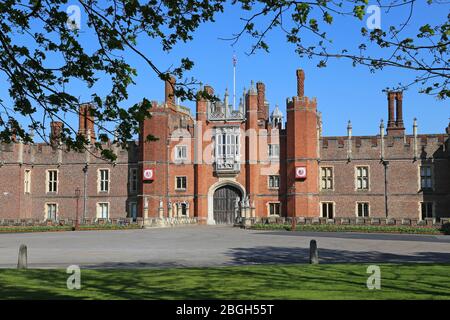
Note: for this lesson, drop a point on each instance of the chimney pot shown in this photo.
(209, 90)
(391, 121)
(399, 101)
(169, 91)
(55, 132)
(86, 121)
(300, 83)
(261, 100)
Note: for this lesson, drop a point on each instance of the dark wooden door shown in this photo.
(224, 204)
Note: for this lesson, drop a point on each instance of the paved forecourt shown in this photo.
(214, 246)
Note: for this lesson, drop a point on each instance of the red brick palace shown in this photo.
(228, 163)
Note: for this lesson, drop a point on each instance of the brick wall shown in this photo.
(39, 158)
(300, 145)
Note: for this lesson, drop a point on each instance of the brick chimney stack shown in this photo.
(399, 119)
(391, 121)
(86, 121)
(395, 125)
(55, 132)
(202, 103)
(170, 91)
(300, 83)
(209, 90)
(261, 100)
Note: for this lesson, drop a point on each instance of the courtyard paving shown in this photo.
(199, 246)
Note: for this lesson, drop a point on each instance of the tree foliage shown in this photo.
(42, 53)
(405, 44)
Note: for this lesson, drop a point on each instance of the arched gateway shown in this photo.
(226, 204)
(222, 198)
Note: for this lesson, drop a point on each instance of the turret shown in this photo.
(276, 118)
(302, 153)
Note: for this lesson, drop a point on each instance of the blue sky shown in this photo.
(343, 92)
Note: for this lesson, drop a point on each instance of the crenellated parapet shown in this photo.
(301, 103)
(395, 147)
(16, 153)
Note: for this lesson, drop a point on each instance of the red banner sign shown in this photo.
(300, 172)
(148, 174)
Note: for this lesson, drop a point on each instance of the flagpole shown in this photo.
(234, 82)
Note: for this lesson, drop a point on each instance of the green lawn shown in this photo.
(332, 281)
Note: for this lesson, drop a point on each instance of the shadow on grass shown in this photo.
(261, 273)
(245, 282)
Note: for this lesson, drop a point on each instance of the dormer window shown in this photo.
(276, 118)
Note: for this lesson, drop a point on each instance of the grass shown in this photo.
(332, 281)
(352, 228)
(20, 229)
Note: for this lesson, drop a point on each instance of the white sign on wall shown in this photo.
(300, 172)
(148, 174)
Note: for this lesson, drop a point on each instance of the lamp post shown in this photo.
(386, 165)
(77, 196)
(85, 170)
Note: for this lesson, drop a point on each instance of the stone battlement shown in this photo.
(301, 102)
(423, 146)
(43, 153)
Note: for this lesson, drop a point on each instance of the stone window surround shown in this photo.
(46, 205)
(177, 157)
(332, 177)
(231, 131)
(47, 180)
(176, 183)
(27, 181)
(419, 177)
(98, 211)
(368, 178)
(268, 203)
(268, 182)
(108, 181)
(321, 208)
(356, 208)
(270, 153)
(433, 208)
